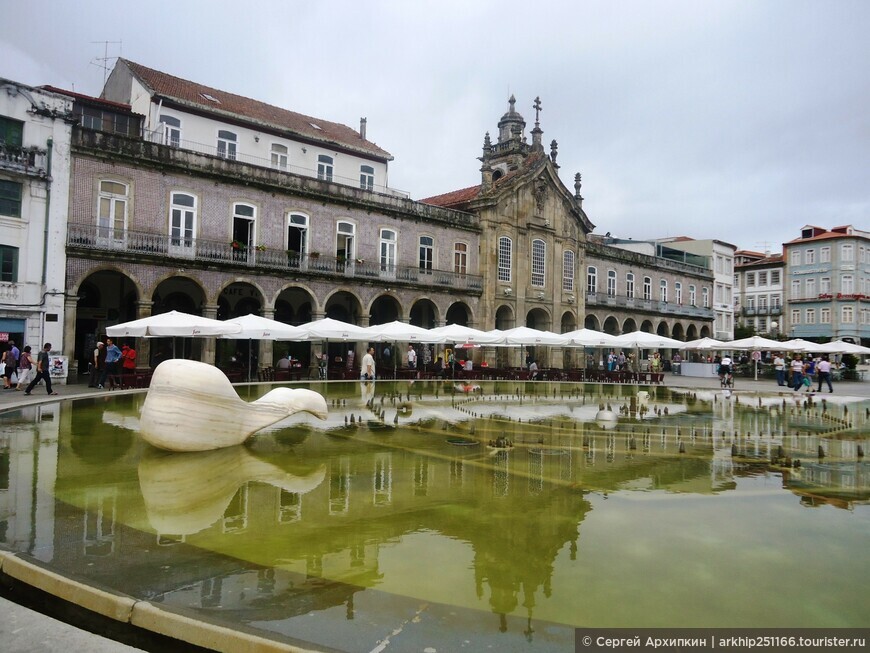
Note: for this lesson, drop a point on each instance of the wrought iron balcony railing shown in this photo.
(650, 305)
(94, 238)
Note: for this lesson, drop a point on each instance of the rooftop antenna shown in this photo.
(766, 245)
(103, 62)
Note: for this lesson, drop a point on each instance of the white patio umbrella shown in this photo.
(255, 327)
(459, 333)
(754, 343)
(329, 329)
(644, 340)
(402, 332)
(589, 338)
(528, 336)
(703, 344)
(173, 324)
(843, 347)
(798, 344)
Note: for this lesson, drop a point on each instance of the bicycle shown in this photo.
(726, 379)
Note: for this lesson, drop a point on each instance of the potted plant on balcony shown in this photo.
(260, 248)
(238, 245)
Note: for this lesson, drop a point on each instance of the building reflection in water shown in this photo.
(270, 530)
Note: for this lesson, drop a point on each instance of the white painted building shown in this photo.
(759, 292)
(194, 117)
(35, 127)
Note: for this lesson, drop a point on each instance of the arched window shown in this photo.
(460, 258)
(678, 292)
(324, 167)
(297, 238)
(647, 288)
(505, 256)
(171, 130)
(629, 285)
(539, 263)
(663, 290)
(693, 298)
(705, 297)
(427, 253)
(388, 252)
(345, 234)
(367, 177)
(280, 156)
(112, 209)
(611, 283)
(182, 222)
(226, 144)
(568, 271)
(591, 280)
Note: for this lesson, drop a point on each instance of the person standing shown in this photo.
(7, 367)
(97, 364)
(823, 369)
(797, 373)
(25, 368)
(128, 363)
(367, 369)
(110, 371)
(12, 362)
(412, 357)
(42, 366)
(779, 368)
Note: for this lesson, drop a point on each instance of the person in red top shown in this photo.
(128, 359)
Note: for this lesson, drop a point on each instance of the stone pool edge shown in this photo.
(137, 613)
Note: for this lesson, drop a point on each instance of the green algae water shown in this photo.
(444, 517)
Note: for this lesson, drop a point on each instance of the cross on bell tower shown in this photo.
(537, 132)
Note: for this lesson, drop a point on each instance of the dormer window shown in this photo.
(806, 233)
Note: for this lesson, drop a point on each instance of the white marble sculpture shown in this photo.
(192, 406)
(185, 493)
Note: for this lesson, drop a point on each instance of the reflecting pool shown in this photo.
(428, 515)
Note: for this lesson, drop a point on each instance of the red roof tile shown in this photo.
(193, 94)
(453, 198)
(86, 98)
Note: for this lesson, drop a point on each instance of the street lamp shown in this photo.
(773, 326)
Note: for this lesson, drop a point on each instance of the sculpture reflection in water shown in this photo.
(185, 493)
(192, 406)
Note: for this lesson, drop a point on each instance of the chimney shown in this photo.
(362, 128)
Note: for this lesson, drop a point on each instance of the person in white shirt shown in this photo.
(779, 367)
(823, 367)
(367, 369)
(412, 357)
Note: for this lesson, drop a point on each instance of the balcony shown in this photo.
(30, 161)
(761, 310)
(160, 248)
(649, 305)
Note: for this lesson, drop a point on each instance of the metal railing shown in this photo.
(651, 305)
(262, 162)
(105, 239)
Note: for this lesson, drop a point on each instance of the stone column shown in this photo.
(70, 315)
(209, 345)
(266, 348)
(143, 345)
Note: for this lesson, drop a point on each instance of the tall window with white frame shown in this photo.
(367, 177)
(297, 239)
(460, 258)
(280, 156)
(705, 297)
(568, 271)
(591, 280)
(182, 224)
(678, 293)
(227, 144)
(388, 253)
(647, 288)
(505, 258)
(112, 212)
(171, 130)
(539, 263)
(427, 254)
(795, 316)
(796, 289)
(324, 167)
(847, 284)
(693, 296)
(663, 291)
(847, 252)
(244, 230)
(847, 314)
(611, 283)
(345, 245)
(629, 285)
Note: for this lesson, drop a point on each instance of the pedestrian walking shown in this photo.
(823, 369)
(42, 367)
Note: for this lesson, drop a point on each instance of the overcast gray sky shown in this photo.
(741, 120)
